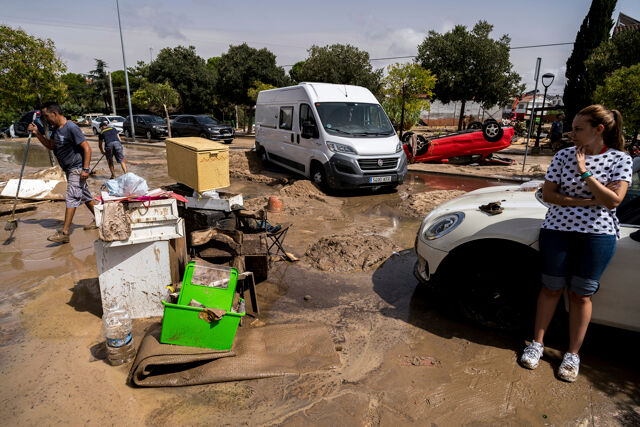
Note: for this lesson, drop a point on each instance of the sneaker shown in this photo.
(59, 237)
(91, 226)
(568, 370)
(531, 355)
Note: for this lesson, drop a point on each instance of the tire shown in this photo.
(95, 132)
(228, 141)
(423, 145)
(406, 137)
(475, 125)
(127, 133)
(203, 135)
(175, 134)
(149, 135)
(262, 153)
(319, 177)
(492, 131)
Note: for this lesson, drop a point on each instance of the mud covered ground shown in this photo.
(405, 358)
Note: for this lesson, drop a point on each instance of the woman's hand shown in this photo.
(581, 159)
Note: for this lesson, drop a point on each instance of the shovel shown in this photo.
(12, 224)
(94, 166)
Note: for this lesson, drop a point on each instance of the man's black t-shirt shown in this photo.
(109, 135)
(67, 140)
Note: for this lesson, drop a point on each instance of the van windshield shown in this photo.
(354, 119)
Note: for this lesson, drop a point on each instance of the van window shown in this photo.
(306, 115)
(286, 118)
(355, 119)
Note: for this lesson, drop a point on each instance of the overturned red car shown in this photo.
(476, 144)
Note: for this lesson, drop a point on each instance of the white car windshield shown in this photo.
(354, 119)
(116, 119)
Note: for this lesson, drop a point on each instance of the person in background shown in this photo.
(74, 156)
(556, 130)
(583, 186)
(112, 147)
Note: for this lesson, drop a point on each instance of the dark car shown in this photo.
(202, 126)
(20, 127)
(146, 125)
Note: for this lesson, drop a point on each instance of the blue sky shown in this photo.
(87, 30)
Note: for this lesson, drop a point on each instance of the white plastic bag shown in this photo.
(127, 185)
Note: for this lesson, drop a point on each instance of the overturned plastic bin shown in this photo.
(213, 287)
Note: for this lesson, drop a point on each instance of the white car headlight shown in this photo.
(399, 147)
(340, 148)
(440, 226)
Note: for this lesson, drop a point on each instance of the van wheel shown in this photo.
(95, 131)
(319, 177)
(149, 135)
(262, 153)
(127, 133)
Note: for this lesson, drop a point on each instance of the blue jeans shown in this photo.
(574, 259)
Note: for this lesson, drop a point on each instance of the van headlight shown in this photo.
(442, 225)
(399, 147)
(340, 148)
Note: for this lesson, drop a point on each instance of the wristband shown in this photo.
(585, 175)
(86, 169)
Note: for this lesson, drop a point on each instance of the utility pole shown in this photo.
(533, 112)
(126, 77)
(113, 101)
(150, 55)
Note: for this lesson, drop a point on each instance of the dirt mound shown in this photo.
(54, 172)
(420, 204)
(302, 189)
(247, 165)
(353, 251)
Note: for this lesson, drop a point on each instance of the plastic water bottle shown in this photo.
(116, 325)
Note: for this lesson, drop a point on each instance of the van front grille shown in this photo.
(378, 164)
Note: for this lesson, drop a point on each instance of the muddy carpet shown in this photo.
(269, 351)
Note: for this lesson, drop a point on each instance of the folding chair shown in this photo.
(277, 239)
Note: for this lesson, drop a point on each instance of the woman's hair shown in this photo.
(610, 119)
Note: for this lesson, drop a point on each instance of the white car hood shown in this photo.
(509, 196)
(368, 146)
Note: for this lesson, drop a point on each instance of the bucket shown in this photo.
(275, 204)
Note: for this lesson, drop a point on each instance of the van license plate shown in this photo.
(378, 179)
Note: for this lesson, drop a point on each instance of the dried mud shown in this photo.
(420, 204)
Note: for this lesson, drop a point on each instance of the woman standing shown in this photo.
(583, 185)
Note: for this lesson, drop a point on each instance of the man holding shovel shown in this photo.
(74, 156)
(112, 147)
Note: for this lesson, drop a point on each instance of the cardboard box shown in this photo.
(199, 163)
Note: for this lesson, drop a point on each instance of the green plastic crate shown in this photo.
(182, 326)
(206, 295)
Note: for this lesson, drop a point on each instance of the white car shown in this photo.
(490, 263)
(115, 121)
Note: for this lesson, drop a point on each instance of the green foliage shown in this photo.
(188, 74)
(99, 82)
(153, 96)
(401, 87)
(240, 67)
(257, 88)
(29, 73)
(593, 31)
(80, 93)
(622, 50)
(294, 72)
(470, 66)
(338, 63)
(621, 91)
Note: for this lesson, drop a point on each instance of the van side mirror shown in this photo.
(309, 130)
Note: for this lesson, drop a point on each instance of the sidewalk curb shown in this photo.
(491, 177)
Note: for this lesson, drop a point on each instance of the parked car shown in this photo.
(337, 135)
(146, 125)
(489, 264)
(115, 121)
(203, 126)
(474, 144)
(20, 127)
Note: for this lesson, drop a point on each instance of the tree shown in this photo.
(257, 88)
(79, 92)
(294, 72)
(593, 31)
(470, 66)
(98, 78)
(621, 91)
(29, 73)
(188, 74)
(621, 50)
(240, 67)
(401, 87)
(338, 63)
(155, 96)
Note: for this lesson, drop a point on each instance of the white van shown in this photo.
(337, 135)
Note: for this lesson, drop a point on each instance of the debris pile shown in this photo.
(247, 165)
(353, 251)
(420, 204)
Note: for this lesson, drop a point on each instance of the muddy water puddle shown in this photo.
(12, 153)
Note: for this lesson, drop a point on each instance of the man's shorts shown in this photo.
(114, 149)
(575, 260)
(77, 189)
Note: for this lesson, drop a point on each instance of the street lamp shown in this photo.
(547, 79)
